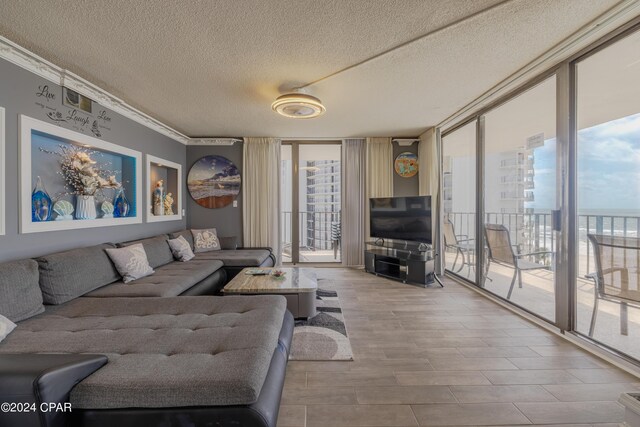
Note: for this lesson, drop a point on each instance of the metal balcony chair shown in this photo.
(459, 243)
(617, 278)
(501, 251)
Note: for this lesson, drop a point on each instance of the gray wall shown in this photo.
(18, 95)
(405, 186)
(227, 220)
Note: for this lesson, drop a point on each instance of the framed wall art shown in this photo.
(406, 164)
(214, 182)
(69, 180)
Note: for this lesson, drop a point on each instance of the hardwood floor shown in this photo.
(446, 357)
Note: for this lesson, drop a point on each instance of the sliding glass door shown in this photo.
(608, 183)
(459, 200)
(541, 196)
(519, 197)
(311, 202)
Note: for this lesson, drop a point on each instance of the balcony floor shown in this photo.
(537, 295)
(317, 256)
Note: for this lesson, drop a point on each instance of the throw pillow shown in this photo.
(205, 240)
(181, 249)
(131, 262)
(6, 326)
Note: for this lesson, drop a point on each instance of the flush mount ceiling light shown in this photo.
(298, 105)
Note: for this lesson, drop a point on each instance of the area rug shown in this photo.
(324, 336)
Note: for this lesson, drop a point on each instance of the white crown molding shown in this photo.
(28, 60)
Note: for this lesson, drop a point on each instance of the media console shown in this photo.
(409, 262)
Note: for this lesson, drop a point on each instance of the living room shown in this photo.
(319, 213)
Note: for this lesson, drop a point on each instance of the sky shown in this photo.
(608, 168)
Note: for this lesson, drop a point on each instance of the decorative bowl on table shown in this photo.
(278, 274)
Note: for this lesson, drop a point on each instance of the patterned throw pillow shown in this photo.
(205, 240)
(6, 326)
(131, 262)
(181, 249)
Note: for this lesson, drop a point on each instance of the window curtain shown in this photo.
(353, 201)
(379, 172)
(429, 184)
(261, 194)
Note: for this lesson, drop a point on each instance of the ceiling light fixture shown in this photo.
(298, 105)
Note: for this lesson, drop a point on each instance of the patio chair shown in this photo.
(460, 243)
(617, 278)
(501, 251)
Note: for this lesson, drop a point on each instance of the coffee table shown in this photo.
(298, 286)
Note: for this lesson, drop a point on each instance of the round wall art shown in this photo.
(214, 182)
(406, 164)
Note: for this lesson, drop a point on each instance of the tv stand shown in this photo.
(408, 262)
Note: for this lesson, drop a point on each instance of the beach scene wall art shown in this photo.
(214, 182)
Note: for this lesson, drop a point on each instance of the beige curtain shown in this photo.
(429, 183)
(353, 201)
(379, 172)
(261, 193)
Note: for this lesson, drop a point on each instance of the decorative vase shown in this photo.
(40, 203)
(121, 205)
(158, 199)
(86, 207)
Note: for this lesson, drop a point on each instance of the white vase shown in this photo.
(86, 207)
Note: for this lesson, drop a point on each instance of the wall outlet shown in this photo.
(235, 203)
(184, 212)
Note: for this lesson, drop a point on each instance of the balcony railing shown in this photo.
(317, 230)
(533, 231)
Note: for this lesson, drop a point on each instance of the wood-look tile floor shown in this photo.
(446, 357)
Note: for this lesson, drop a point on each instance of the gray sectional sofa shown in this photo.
(173, 358)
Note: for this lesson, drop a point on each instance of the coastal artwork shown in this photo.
(406, 164)
(214, 182)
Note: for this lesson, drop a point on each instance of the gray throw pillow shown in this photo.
(20, 295)
(205, 240)
(6, 326)
(181, 249)
(131, 262)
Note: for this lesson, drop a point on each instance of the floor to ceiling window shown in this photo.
(311, 202)
(459, 200)
(519, 195)
(608, 188)
(560, 191)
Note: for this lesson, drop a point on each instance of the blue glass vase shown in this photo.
(121, 205)
(41, 204)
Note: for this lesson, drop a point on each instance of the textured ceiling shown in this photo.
(212, 68)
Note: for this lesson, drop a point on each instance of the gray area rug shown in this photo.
(324, 336)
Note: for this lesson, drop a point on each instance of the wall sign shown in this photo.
(73, 110)
(214, 182)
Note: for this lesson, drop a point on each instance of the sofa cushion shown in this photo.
(70, 274)
(157, 249)
(181, 249)
(205, 240)
(20, 295)
(163, 352)
(168, 281)
(230, 242)
(237, 258)
(131, 261)
(188, 236)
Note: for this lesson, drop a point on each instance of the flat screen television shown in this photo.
(401, 218)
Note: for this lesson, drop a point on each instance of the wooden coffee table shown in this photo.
(298, 286)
